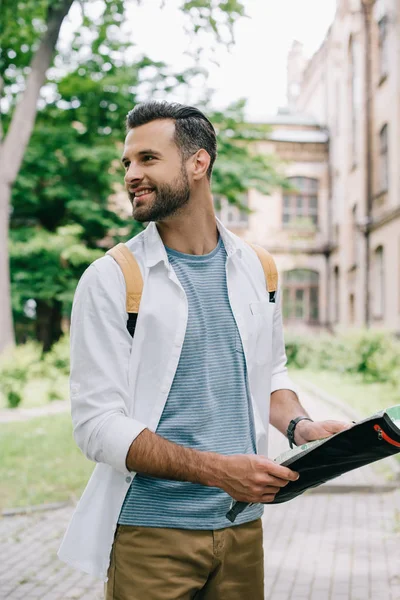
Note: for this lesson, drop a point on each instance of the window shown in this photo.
(379, 283)
(300, 205)
(336, 295)
(384, 159)
(300, 300)
(383, 47)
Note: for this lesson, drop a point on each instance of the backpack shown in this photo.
(134, 281)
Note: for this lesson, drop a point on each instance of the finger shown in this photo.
(332, 427)
(270, 489)
(276, 481)
(281, 472)
(336, 426)
(266, 498)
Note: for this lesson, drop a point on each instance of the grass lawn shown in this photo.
(364, 398)
(40, 462)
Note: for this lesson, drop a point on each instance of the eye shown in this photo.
(126, 165)
(148, 156)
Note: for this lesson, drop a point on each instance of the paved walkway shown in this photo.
(24, 414)
(317, 547)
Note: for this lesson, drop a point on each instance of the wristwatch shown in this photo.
(292, 427)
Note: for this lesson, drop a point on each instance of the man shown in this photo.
(177, 418)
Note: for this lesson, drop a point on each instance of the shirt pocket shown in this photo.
(260, 328)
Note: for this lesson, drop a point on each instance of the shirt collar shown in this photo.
(155, 250)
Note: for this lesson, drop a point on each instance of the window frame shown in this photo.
(299, 203)
(298, 293)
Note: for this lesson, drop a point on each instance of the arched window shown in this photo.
(300, 295)
(301, 202)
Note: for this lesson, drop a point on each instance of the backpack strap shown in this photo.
(270, 270)
(133, 281)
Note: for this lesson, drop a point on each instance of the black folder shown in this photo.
(367, 441)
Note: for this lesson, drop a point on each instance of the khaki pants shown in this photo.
(151, 563)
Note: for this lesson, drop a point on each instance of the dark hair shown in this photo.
(193, 130)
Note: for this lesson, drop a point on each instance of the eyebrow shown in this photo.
(142, 153)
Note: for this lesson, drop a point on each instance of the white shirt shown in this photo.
(119, 385)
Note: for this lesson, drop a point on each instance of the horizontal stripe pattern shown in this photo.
(208, 407)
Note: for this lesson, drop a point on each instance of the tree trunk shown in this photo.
(6, 328)
(48, 323)
(12, 150)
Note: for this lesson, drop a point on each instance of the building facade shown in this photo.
(335, 233)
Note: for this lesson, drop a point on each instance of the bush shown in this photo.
(298, 351)
(26, 363)
(58, 357)
(16, 367)
(375, 355)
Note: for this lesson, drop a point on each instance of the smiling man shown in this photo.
(177, 418)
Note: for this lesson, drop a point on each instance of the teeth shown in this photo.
(142, 192)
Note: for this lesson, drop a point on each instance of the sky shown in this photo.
(255, 68)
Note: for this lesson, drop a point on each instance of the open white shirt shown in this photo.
(119, 385)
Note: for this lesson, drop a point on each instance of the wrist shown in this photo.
(300, 433)
(214, 469)
(295, 426)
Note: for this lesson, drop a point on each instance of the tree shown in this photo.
(62, 219)
(28, 40)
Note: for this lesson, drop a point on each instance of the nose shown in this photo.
(134, 174)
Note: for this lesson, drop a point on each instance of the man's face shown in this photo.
(155, 175)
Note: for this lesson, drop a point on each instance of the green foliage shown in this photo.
(46, 265)
(26, 364)
(21, 25)
(373, 355)
(58, 359)
(16, 368)
(61, 214)
(206, 15)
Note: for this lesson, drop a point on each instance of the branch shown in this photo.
(20, 129)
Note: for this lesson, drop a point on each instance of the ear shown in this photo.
(200, 163)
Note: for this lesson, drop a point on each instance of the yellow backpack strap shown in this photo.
(270, 270)
(132, 275)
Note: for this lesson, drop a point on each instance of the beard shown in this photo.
(169, 199)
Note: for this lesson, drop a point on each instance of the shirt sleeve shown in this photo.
(99, 378)
(280, 377)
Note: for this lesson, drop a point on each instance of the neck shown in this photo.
(191, 231)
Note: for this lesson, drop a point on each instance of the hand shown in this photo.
(308, 431)
(253, 478)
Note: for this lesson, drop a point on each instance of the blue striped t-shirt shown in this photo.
(208, 407)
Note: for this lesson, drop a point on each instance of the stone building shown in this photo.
(336, 233)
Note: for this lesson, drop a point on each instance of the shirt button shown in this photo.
(128, 479)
